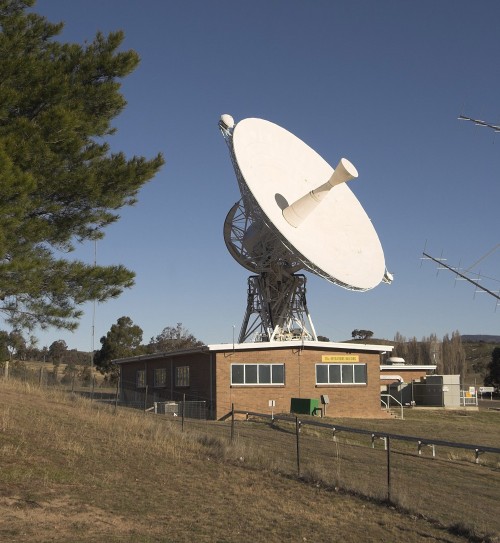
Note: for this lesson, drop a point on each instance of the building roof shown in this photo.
(224, 347)
(408, 367)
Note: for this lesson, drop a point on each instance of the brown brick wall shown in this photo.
(300, 382)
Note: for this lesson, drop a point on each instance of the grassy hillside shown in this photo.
(75, 471)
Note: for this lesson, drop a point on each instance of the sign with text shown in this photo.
(340, 358)
(486, 389)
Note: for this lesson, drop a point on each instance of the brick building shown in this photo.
(250, 375)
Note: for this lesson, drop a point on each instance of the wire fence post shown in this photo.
(232, 422)
(117, 392)
(183, 409)
(297, 431)
(388, 450)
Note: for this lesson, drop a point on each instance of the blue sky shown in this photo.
(379, 82)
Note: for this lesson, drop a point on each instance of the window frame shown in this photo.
(182, 377)
(341, 373)
(140, 379)
(157, 383)
(259, 374)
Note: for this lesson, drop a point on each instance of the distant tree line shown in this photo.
(122, 340)
(448, 354)
(13, 346)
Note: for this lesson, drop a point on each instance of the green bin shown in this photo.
(304, 406)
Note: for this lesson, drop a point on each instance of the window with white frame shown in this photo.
(182, 376)
(160, 377)
(341, 374)
(140, 379)
(257, 374)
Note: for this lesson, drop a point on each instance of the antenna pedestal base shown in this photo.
(277, 309)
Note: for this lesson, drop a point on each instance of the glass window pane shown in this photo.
(335, 373)
(264, 374)
(251, 374)
(160, 377)
(185, 376)
(182, 376)
(347, 373)
(321, 373)
(278, 373)
(237, 374)
(360, 373)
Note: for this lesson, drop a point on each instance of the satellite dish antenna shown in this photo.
(295, 213)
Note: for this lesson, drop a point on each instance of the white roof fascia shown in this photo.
(399, 367)
(392, 378)
(329, 345)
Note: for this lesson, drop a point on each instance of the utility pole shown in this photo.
(93, 333)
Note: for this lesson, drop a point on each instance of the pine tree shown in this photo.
(59, 181)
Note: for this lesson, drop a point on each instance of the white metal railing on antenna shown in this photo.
(387, 403)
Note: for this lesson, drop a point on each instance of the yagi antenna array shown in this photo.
(462, 275)
(295, 213)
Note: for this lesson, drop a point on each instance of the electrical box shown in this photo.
(304, 406)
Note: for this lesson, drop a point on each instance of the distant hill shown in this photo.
(478, 338)
(370, 341)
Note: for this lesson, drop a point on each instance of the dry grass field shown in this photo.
(76, 471)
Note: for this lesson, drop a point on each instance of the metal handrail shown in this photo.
(388, 404)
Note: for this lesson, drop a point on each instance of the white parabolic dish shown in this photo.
(337, 240)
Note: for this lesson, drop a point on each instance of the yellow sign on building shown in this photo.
(340, 358)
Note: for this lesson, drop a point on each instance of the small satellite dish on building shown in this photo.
(295, 213)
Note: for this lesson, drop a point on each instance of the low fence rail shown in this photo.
(419, 441)
(385, 436)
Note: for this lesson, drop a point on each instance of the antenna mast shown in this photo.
(463, 276)
(478, 122)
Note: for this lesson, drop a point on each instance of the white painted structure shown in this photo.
(295, 213)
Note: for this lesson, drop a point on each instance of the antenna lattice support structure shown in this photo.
(277, 309)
